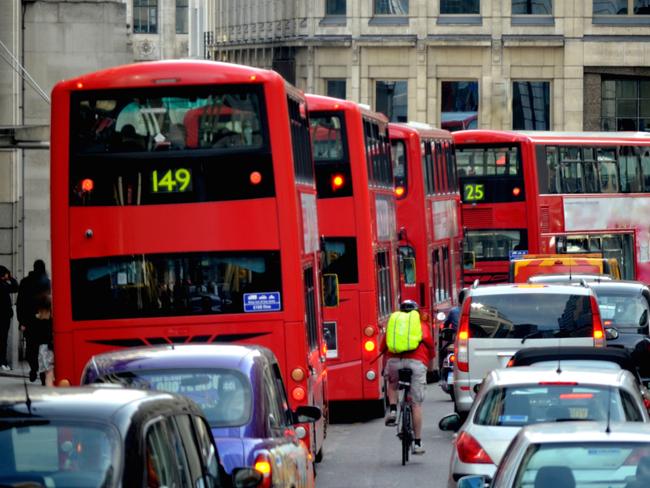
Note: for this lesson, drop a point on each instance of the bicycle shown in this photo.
(405, 417)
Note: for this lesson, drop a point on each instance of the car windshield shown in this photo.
(58, 454)
(224, 395)
(530, 316)
(586, 464)
(623, 310)
(515, 406)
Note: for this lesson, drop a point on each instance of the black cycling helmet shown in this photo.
(408, 305)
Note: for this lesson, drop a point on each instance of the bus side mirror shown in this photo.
(469, 260)
(330, 284)
(409, 271)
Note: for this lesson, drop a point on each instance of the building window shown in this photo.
(531, 105)
(392, 99)
(532, 7)
(336, 88)
(391, 7)
(459, 105)
(621, 7)
(460, 6)
(335, 7)
(145, 16)
(626, 105)
(182, 10)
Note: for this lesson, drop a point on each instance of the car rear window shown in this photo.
(224, 395)
(623, 310)
(530, 316)
(530, 404)
(606, 464)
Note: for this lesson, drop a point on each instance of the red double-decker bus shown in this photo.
(356, 215)
(545, 192)
(428, 216)
(184, 211)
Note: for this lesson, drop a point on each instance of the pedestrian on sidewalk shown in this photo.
(33, 288)
(42, 335)
(8, 285)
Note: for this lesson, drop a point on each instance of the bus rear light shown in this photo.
(369, 331)
(263, 466)
(470, 451)
(256, 177)
(298, 374)
(462, 340)
(324, 348)
(253, 77)
(64, 382)
(369, 345)
(516, 191)
(87, 185)
(80, 85)
(399, 191)
(337, 182)
(298, 393)
(599, 331)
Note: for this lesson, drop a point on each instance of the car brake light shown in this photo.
(510, 363)
(646, 402)
(557, 383)
(263, 466)
(576, 396)
(452, 358)
(599, 332)
(462, 339)
(470, 451)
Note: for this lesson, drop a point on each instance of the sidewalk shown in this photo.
(21, 370)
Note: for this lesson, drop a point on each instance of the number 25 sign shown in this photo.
(474, 192)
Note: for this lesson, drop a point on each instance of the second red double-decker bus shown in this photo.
(428, 215)
(544, 192)
(356, 213)
(184, 211)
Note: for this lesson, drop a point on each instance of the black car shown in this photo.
(107, 437)
(625, 313)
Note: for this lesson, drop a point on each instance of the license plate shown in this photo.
(450, 378)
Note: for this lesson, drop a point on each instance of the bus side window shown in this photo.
(608, 171)
(645, 168)
(630, 172)
(589, 168)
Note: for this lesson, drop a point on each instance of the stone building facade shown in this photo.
(502, 64)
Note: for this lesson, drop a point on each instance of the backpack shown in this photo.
(404, 332)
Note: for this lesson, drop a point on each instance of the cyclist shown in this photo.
(416, 360)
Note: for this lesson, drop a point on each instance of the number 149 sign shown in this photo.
(171, 181)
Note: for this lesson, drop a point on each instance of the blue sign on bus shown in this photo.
(518, 254)
(262, 302)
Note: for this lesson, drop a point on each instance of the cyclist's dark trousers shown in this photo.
(5, 323)
(31, 353)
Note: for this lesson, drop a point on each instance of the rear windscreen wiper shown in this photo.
(531, 335)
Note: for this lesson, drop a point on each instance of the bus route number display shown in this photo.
(177, 180)
(474, 192)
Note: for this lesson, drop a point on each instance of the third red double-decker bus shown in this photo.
(184, 211)
(545, 192)
(428, 215)
(356, 214)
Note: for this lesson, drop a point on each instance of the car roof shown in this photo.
(181, 356)
(524, 375)
(532, 355)
(526, 289)
(631, 287)
(582, 432)
(566, 277)
(85, 403)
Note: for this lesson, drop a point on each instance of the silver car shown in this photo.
(574, 454)
(497, 321)
(512, 398)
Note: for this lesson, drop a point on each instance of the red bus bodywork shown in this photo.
(365, 217)
(579, 192)
(284, 223)
(428, 218)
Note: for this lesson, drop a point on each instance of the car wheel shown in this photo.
(318, 458)
(451, 394)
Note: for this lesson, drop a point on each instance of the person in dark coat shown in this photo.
(33, 288)
(8, 285)
(42, 335)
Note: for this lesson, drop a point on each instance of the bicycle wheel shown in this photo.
(406, 433)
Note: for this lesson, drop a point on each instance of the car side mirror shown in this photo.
(643, 320)
(472, 482)
(447, 335)
(330, 285)
(611, 333)
(307, 414)
(246, 478)
(450, 423)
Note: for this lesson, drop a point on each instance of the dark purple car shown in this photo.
(239, 389)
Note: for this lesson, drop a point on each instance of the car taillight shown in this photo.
(462, 338)
(470, 451)
(646, 402)
(599, 332)
(452, 358)
(263, 466)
